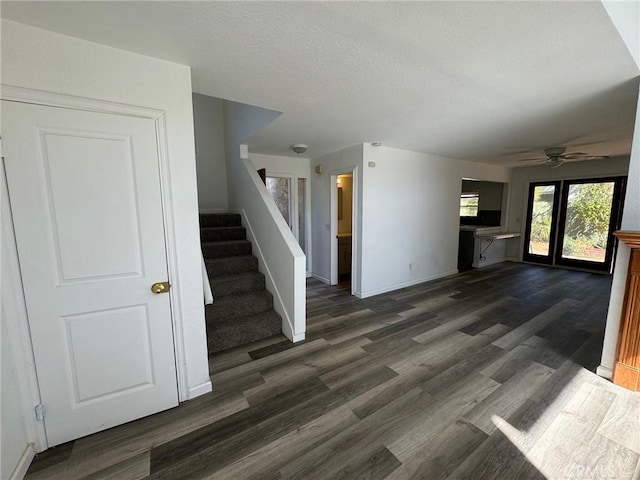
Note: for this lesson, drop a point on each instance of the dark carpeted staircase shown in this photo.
(242, 311)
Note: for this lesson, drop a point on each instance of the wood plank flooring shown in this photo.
(481, 375)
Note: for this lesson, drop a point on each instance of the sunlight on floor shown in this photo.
(571, 439)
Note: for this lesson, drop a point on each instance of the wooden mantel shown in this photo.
(630, 239)
(627, 367)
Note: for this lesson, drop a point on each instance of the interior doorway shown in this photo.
(344, 185)
(570, 222)
(343, 231)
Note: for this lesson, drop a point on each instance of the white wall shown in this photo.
(13, 441)
(321, 187)
(296, 167)
(18, 439)
(38, 59)
(408, 208)
(280, 257)
(626, 18)
(630, 221)
(208, 123)
(625, 15)
(411, 215)
(521, 177)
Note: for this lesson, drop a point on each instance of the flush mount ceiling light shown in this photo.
(299, 148)
(376, 144)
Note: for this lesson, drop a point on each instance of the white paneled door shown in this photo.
(86, 201)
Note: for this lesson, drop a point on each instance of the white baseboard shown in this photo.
(410, 283)
(23, 464)
(322, 279)
(198, 390)
(288, 332)
(604, 372)
(298, 337)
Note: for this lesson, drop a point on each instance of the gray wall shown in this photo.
(210, 153)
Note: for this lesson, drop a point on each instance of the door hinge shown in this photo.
(39, 409)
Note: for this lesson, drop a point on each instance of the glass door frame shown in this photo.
(614, 222)
(531, 257)
(558, 224)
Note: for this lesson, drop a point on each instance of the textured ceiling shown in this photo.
(482, 81)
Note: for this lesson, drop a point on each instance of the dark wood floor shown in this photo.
(486, 374)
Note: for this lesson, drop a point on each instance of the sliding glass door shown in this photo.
(570, 222)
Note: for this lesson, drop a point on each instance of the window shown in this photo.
(280, 190)
(469, 204)
(290, 195)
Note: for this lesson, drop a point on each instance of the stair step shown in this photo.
(239, 305)
(226, 248)
(225, 334)
(220, 220)
(240, 283)
(243, 309)
(217, 267)
(215, 234)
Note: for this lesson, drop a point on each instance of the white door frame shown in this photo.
(14, 311)
(307, 224)
(37, 97)
(355, 272)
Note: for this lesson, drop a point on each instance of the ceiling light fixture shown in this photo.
(299, 148)
(376, 144)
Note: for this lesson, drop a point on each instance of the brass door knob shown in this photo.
(160, 287)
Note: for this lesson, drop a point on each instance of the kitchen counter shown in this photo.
(489, 244)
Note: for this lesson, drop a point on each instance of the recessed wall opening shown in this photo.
(482, 208)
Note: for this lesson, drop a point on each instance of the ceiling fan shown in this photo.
(556, 156)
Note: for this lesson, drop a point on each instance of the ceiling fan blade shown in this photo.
(554, 164)
(538, 159)
(573, 156)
